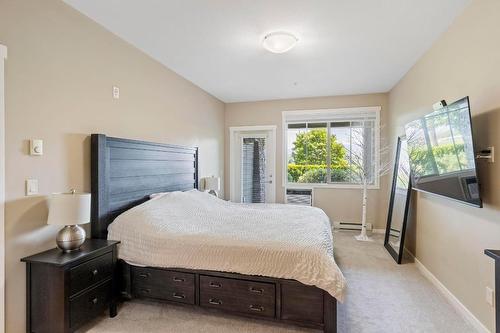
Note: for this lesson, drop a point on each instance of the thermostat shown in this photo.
(36, 147)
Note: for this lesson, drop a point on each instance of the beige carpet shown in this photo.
(382, 297)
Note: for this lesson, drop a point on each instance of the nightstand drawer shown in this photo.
(89, 304)
(91, 272)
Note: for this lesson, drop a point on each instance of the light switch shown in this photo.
(36, 147)
(31, 186)
(490, 296)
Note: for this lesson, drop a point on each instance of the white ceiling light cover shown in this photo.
(279, 42)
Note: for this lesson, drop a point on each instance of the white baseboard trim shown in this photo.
(466, 314)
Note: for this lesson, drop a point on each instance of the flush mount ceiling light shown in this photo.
(279, 42)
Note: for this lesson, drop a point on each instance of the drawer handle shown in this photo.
(256, 308)
(215, 301)
(95, 300)
(215, 285)
(95, 272)
(145, 291)
(257, 290)
(178, 296)
(176, 279)
(144, 275)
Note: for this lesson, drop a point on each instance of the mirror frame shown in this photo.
(397, 256)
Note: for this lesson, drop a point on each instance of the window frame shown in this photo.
(329, 115)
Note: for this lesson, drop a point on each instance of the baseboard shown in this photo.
(378, 231)
(466, 314)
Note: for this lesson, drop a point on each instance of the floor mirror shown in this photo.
(399, 203)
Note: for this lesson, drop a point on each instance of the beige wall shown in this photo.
(447, 237)
(59, 75)
(339, 204)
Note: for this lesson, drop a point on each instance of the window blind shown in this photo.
(253, 168)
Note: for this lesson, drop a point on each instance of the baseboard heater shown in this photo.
(299, 196)
(351, 226)
(394, 232)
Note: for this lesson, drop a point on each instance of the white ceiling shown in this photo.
(345, 46)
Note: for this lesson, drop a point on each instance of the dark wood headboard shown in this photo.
(125, 172)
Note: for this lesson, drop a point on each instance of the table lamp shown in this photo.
(69, 209)
(212, 184)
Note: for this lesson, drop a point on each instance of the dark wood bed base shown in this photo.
(124, 173)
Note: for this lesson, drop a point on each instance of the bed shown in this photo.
(186, 247)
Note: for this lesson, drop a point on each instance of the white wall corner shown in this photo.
(3, 51)
(3, 55)
(452, 299)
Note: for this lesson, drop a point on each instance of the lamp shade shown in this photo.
(212, 183)
(69, 208)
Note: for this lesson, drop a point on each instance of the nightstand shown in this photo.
(66, 290)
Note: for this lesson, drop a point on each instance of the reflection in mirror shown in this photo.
(441, 151)
(399, 203)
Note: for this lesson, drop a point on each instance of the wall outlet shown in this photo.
(31, 186)
(490, 296)
(116, 92)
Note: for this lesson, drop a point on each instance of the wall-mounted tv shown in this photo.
(441, 151)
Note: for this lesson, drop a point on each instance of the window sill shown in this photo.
(332, 186)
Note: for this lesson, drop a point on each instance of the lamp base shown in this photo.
(70, 238)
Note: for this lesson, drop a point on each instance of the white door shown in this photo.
(252, 159)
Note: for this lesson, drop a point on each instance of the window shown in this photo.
(331, 147)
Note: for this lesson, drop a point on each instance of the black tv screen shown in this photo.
(441, 151)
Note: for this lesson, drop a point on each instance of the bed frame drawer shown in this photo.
(153, 276)
(301, 303)
(163, 284)
(243, 296)
(245, 288)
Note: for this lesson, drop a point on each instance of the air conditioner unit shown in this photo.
(299, 196)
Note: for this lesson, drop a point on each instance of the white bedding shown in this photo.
(196, 230)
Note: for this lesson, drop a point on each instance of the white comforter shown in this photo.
(196, 230)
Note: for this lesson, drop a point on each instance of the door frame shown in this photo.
(232, 142)
(3, 56)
